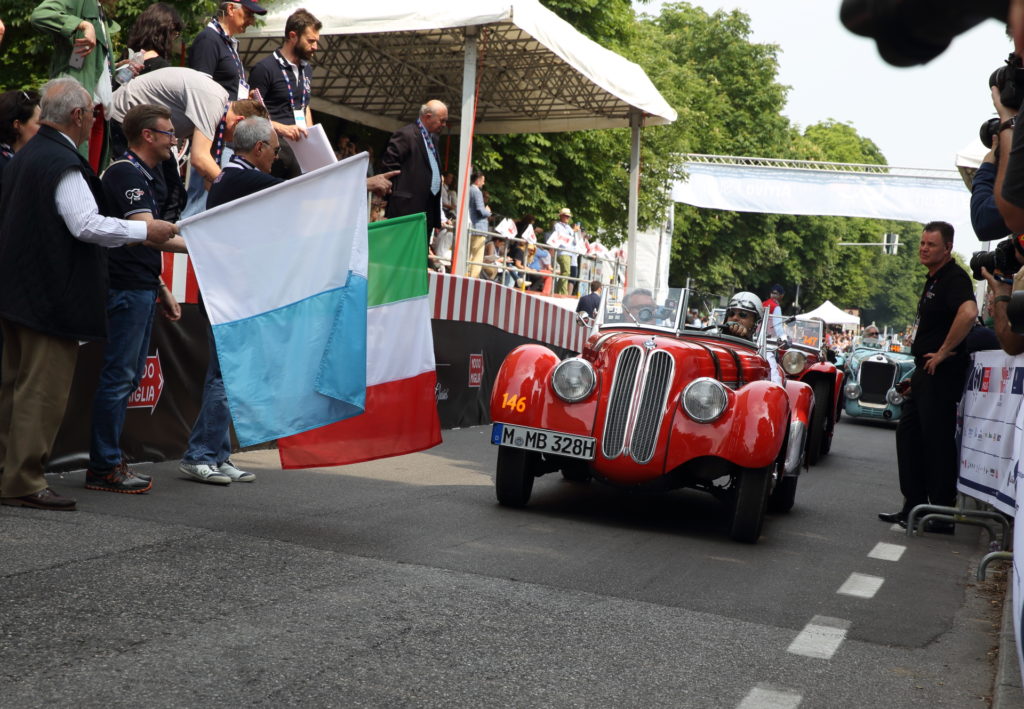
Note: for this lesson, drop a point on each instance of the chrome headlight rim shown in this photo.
(852, 390)
(794, 362)
(689, 405)
(562, 370)
(894, 397)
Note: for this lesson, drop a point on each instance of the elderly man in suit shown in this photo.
(412, 151)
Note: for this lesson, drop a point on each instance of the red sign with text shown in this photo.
(476, 370)
(151, 386)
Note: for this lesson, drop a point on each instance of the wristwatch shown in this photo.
(1001, 299)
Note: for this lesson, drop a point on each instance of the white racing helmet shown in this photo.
(745, 300)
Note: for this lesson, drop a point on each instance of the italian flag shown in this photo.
(401, 412)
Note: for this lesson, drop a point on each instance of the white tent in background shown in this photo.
(502, 66)
(831, 315)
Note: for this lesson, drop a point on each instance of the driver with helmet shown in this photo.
(742, 315)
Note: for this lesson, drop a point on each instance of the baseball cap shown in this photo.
(251, 6)
(565, 211)
(778, 289)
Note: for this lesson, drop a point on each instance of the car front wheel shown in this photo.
(751, 500)
(513, 480)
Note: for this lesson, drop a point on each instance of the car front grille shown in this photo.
(876, 378)
(633, 421)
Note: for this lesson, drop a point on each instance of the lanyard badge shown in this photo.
(298, 111)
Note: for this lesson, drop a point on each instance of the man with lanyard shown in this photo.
(284, 81)
(135, 189)
(209, 445)
(214, 51)
(412, 151)
(926, 449)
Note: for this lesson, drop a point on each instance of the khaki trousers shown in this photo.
(35, 382)
(476, 253)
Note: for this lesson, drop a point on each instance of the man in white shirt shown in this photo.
(53, 285)
(563, 239)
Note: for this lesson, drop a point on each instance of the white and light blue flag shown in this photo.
(283, 273)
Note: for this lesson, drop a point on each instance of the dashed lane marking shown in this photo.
(820, 638)
(861, 585)
(766, 697)
(887, 552)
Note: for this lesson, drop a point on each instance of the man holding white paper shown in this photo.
(284, 80)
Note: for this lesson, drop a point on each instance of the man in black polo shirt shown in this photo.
(135, 188)
(209, 445)
(284, 80)
(926, 449)
(214, 51)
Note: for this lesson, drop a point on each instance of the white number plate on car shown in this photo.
(536, 439)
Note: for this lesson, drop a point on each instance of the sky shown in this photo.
(919, 117)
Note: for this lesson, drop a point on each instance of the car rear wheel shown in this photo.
(783, 496)
(513, 480)
(751, 500)
(816, 434)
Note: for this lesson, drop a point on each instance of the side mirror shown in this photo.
(583, 320)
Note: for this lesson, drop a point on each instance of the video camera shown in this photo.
(999, 261)
(910, 32)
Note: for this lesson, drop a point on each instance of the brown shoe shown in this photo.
(47, 499)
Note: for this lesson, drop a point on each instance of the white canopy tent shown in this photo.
(746, 184)
(830, 314)
(502, 66)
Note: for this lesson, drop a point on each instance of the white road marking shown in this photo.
(861, 585)
(820, 638)
(887, 552)
(765, 697)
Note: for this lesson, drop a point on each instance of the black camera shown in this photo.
(910, 32)
(1001, 260)
(1009, 78)
(989, 129)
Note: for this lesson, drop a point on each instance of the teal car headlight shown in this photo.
(852, 390)
(573, 379)
(704, 399)
(894, 397)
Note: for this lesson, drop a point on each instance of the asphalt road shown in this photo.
(402, 583)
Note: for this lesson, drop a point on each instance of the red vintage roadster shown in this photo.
(654, 403)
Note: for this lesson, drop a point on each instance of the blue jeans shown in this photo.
(210, 440)
(196, 201)
(129, 323)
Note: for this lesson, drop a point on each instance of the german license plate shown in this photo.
(536, 439)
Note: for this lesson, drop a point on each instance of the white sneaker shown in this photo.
(236, 475)
(204, 473)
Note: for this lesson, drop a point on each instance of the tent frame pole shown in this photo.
(634, 194)
(460, 249)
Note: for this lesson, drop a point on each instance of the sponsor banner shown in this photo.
(991, 433)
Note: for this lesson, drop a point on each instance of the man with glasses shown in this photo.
(209, 445)
(413, 152)
(136, 189)
(742, 315)
(284, 79)
(214, 51)
(53, 285)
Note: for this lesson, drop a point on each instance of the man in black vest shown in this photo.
(412, 150)
(53, 285)
(135, 187)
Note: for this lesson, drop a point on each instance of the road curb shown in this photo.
(1006, 691)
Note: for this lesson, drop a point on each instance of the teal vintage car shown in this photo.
(874, 369)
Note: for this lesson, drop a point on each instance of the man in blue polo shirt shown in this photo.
(135, 188)
(214, 51)
(284, 79)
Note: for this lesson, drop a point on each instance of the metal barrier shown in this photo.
(990, 521)
(988, 559)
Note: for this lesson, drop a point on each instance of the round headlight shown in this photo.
(573, 379)
(704, 399)
(894, 397)
(793, 362)
(852, 390)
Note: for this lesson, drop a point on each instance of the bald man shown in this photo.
(413, 151)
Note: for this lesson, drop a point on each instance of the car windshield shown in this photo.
(804, 333)
(640, 307)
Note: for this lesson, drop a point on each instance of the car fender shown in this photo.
(523, 394)
(834, 377)
(749, 434)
